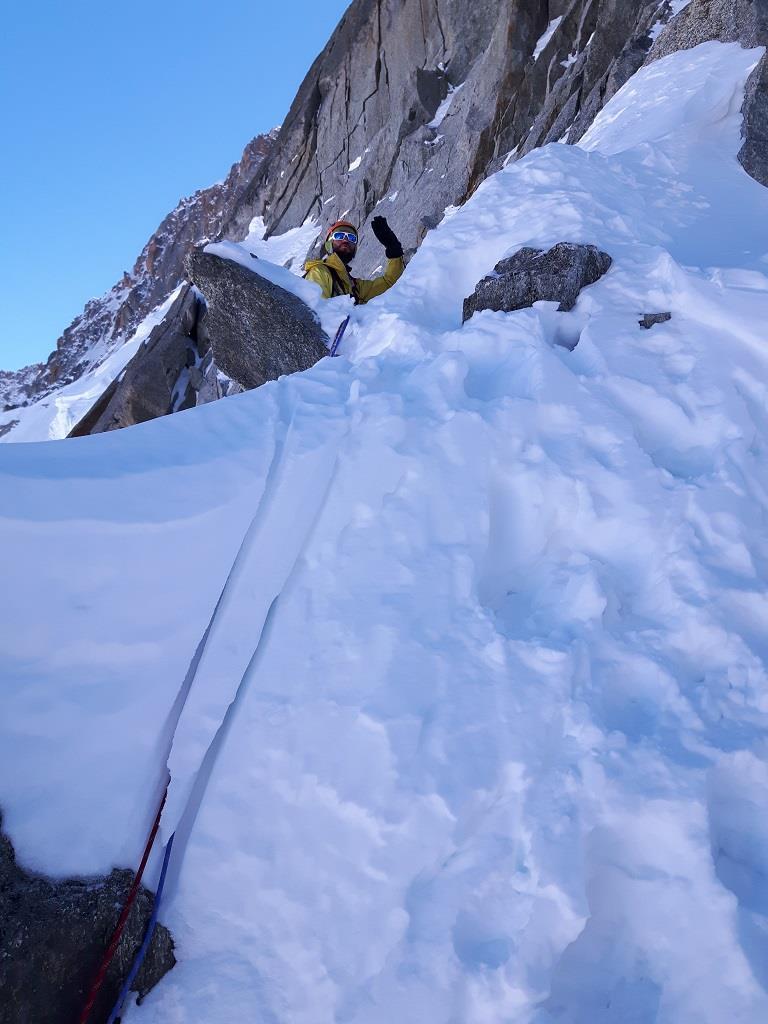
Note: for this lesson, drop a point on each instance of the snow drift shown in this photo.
(478, 730)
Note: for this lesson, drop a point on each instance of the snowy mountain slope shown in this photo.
(478, 733)
(408, 105)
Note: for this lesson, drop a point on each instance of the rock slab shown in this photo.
(258, 331)
(53, 935)
(156, 380)
(533, 275)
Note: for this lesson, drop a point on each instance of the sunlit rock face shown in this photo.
(410, 106)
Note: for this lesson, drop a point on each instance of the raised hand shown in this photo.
(387, 237)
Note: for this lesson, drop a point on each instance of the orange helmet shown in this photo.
(339, 224)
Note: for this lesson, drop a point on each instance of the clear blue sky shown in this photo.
(111, 113)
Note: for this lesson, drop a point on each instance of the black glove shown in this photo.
(387, 237)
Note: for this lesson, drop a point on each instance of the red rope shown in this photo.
(98, 981)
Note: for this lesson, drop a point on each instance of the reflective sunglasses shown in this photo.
(339, 236)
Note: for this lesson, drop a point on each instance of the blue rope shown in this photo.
(139, 960)
(339, 336)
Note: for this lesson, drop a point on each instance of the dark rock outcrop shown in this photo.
(730, 21)
(53, 935)
(157, 380)
(533, 275)
(651, 319)
(258, 331)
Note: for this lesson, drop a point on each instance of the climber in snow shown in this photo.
(332, 271)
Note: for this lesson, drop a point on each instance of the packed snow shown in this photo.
(541, 45)
(476, 732)
(286, 250)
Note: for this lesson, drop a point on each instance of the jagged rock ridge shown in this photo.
(109, 320)
(158, 379)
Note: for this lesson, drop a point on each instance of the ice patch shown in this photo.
(356, 162)
(545, 38)
(442, 111)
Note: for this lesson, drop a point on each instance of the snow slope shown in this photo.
(477, 733)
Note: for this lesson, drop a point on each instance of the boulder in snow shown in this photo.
(54, 934)
(532, 275)
(651, 319)
(258, 331)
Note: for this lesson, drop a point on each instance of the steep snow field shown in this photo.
(478, 730)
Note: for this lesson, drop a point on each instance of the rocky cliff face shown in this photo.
(109, 320)
(411, 105)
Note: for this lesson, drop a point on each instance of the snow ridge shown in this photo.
(295, 490)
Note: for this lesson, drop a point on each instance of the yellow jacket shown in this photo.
(342, 283)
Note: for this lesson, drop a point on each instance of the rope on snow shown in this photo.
(106, 960)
